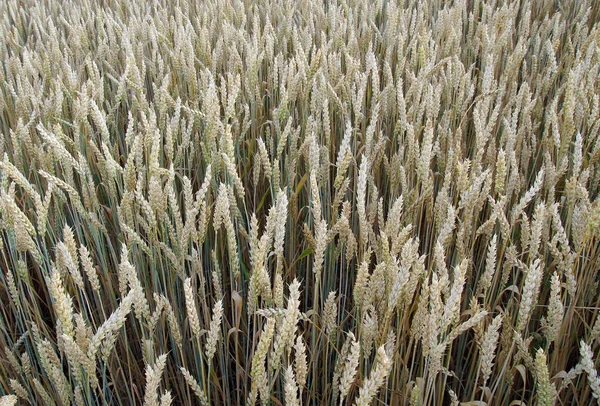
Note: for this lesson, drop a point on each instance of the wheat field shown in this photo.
(313, 202)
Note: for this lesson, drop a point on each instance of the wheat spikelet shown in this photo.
(300, 362)
(88, 268)
(330, 312)
(12, 289)
(191, 307)
(18, 389)
(291, 388)
(214, 333)
(360, 203)
(53, 368)
(279, 232)
(555, 309)
(42, 392)
(195, 386)
(26, 363)
(285, 333)
(490, 266)
(531, 288)
(452, 305)
(375, 380)
(166, 399)
(106, 333)
(66, 261)
(546, 390)
(153, 377)
(63, 304)
(587, 364)
(488, 348)
(278, 291)
(258, 371)
(77, 357)
(8, 400)
(128, 276)
(350, 366)
(362, 280)
(222, 216)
